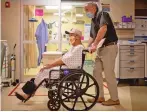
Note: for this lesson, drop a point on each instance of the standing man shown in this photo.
(102, 27)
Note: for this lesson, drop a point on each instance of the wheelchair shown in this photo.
(71, 89)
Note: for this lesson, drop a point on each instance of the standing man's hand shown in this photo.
(92, 48)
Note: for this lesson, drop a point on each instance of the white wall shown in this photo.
(10, 18)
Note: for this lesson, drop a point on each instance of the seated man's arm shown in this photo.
(66, 59)
(58, 62)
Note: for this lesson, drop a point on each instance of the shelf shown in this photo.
(124, 28)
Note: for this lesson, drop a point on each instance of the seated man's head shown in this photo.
(74, 36)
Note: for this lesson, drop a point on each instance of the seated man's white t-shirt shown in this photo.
(72, 59)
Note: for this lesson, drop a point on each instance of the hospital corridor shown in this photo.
(73, 55)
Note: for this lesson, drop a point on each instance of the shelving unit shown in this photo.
(5, 76)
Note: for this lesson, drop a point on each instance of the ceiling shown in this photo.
(75, 9)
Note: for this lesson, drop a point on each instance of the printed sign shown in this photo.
(39, 12)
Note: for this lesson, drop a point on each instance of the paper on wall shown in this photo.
(87, 28)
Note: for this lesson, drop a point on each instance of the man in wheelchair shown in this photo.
(72, 59)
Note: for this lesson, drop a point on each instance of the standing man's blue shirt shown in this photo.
(42, 38)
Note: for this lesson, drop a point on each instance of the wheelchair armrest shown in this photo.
(62, 66)
(64, 53)
(53, 71)
(73, 70)
(50, 72)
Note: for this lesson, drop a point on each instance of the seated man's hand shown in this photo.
(42, 69)
(46, 67)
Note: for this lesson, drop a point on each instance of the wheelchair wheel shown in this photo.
(78, 91)
(53, 94)
(54, 105)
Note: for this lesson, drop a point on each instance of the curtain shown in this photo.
(30, 49)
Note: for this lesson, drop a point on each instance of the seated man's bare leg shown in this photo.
(24, 95)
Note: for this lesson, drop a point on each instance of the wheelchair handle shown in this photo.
(85, 50)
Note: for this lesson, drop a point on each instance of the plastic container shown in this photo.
(127, 19)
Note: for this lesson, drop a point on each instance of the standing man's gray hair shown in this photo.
(97, 4)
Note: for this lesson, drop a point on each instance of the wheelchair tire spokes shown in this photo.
(89, 95)
(77, 90)
(83, 101)
(74, 103)
(67, 97)
(67, 88)
(76, 87)
(53, 95)
(82, 81)
(91, 85)
(54, 105)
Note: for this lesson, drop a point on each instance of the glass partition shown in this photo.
(72, 16)
(40, 24)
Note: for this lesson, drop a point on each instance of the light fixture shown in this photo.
(56, 7)
(79, 15)
(51, 7)
(57, 14)
(66, 7)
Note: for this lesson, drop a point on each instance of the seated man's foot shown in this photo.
(21, 96)
(111, 102)
(33, 95)
(100, 100)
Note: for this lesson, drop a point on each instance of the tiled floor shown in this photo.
(131, 98)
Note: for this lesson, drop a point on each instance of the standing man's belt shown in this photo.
(111, 43)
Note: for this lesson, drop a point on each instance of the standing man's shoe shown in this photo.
(111, 102)
(100, 100)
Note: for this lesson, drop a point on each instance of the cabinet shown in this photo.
(132, 61)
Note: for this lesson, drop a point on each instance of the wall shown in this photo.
(10, 18)
(120, 8)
